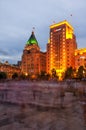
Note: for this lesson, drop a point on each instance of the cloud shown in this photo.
(3, 52)
(16, 56)
(18, 17)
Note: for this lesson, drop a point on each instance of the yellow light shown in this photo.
(68, 36)
(81, 51)
(75, 53)
(60, 23)
(48, 40)
(60, 73)
(26, 74)
(69, 33)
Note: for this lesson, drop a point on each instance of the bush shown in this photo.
(14, 76)
(3, 75)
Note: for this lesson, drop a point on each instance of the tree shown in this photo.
(69, 72)
(3, 75)
(80, 73)
(15, 75)
(48, 76)
(22, 76)
(53, 73)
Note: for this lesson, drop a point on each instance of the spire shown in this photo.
(32, 40)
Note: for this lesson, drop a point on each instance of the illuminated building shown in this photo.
(33, 60)
(61, 48)
(80, 58)
(9, 69)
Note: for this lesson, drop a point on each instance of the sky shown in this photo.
(18, 17)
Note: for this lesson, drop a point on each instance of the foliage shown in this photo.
(15, 75)
(53, 73)
(3, 75)
(69, 73)
(80, 73)
(22, 76)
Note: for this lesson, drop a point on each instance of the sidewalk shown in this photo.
(69, 118)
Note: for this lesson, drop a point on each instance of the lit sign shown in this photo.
(56, 30)
(82, 57)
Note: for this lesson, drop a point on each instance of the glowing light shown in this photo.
(60, 23)
(69, 33)
(81, 51)
(26, 74)
(82, 57)
(49, 40)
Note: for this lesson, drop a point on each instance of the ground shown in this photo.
(72, 116)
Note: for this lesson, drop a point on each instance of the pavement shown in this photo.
(71, 116)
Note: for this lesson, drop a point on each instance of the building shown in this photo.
(61, 48)
(9, 69)
(80, 58)
(33, 60)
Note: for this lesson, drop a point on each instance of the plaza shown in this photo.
(38, 113)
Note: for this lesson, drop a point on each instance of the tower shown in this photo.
(33, 60)
(61, 48)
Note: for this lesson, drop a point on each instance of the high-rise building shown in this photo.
(33, 60)
(61, 48)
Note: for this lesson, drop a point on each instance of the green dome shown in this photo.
(32, 40)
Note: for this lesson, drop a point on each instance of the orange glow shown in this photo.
(33, 76)
(26, 74)
(80, 56)
(80, 51)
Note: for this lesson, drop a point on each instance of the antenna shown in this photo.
(71, 18)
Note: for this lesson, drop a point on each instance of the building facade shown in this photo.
(10, 69)
(80, 58)
(33, 60)
(61, 48)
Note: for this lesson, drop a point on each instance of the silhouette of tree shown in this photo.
(3, 75)
(15, 75)
(80, 73)
(69, 72)
(53, 73)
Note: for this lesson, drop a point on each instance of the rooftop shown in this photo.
(32, 40)
(61, 23)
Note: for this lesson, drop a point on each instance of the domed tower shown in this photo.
(32, 57)
(32, 43)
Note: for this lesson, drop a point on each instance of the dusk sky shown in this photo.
(18, 17)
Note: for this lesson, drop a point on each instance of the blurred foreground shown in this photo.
(45, 109)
